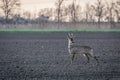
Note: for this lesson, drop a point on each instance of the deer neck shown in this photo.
(69, 45)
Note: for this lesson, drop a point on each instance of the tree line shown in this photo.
(99, 11)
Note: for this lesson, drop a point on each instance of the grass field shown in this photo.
(43, 55)
(27, 30)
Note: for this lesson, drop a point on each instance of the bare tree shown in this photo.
(110, 13)
(87, 10)
(89, 13)
(58, 9)
(74, 11)
(110, 10)
(117, 10)
(46, 12)
(99, 10)
(64, 13)
(27, 15)
(8, 7)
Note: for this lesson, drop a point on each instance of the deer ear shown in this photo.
(69, 36)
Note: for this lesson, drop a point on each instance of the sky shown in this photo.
(36, 5)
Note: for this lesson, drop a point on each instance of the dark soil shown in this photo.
(44, 56)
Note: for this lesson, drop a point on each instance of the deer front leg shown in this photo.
(72, 58)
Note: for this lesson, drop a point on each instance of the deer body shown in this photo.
(74, 49)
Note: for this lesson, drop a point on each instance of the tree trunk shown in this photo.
(6, 19)
(99, 19)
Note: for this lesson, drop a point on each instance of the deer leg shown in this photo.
(72, 57)
(86, 55)
(94, 58)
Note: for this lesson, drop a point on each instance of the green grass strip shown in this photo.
(27, 30)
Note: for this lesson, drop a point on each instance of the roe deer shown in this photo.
(74, 49)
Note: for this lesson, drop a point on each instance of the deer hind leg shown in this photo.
(94, 58)
(86, 55)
